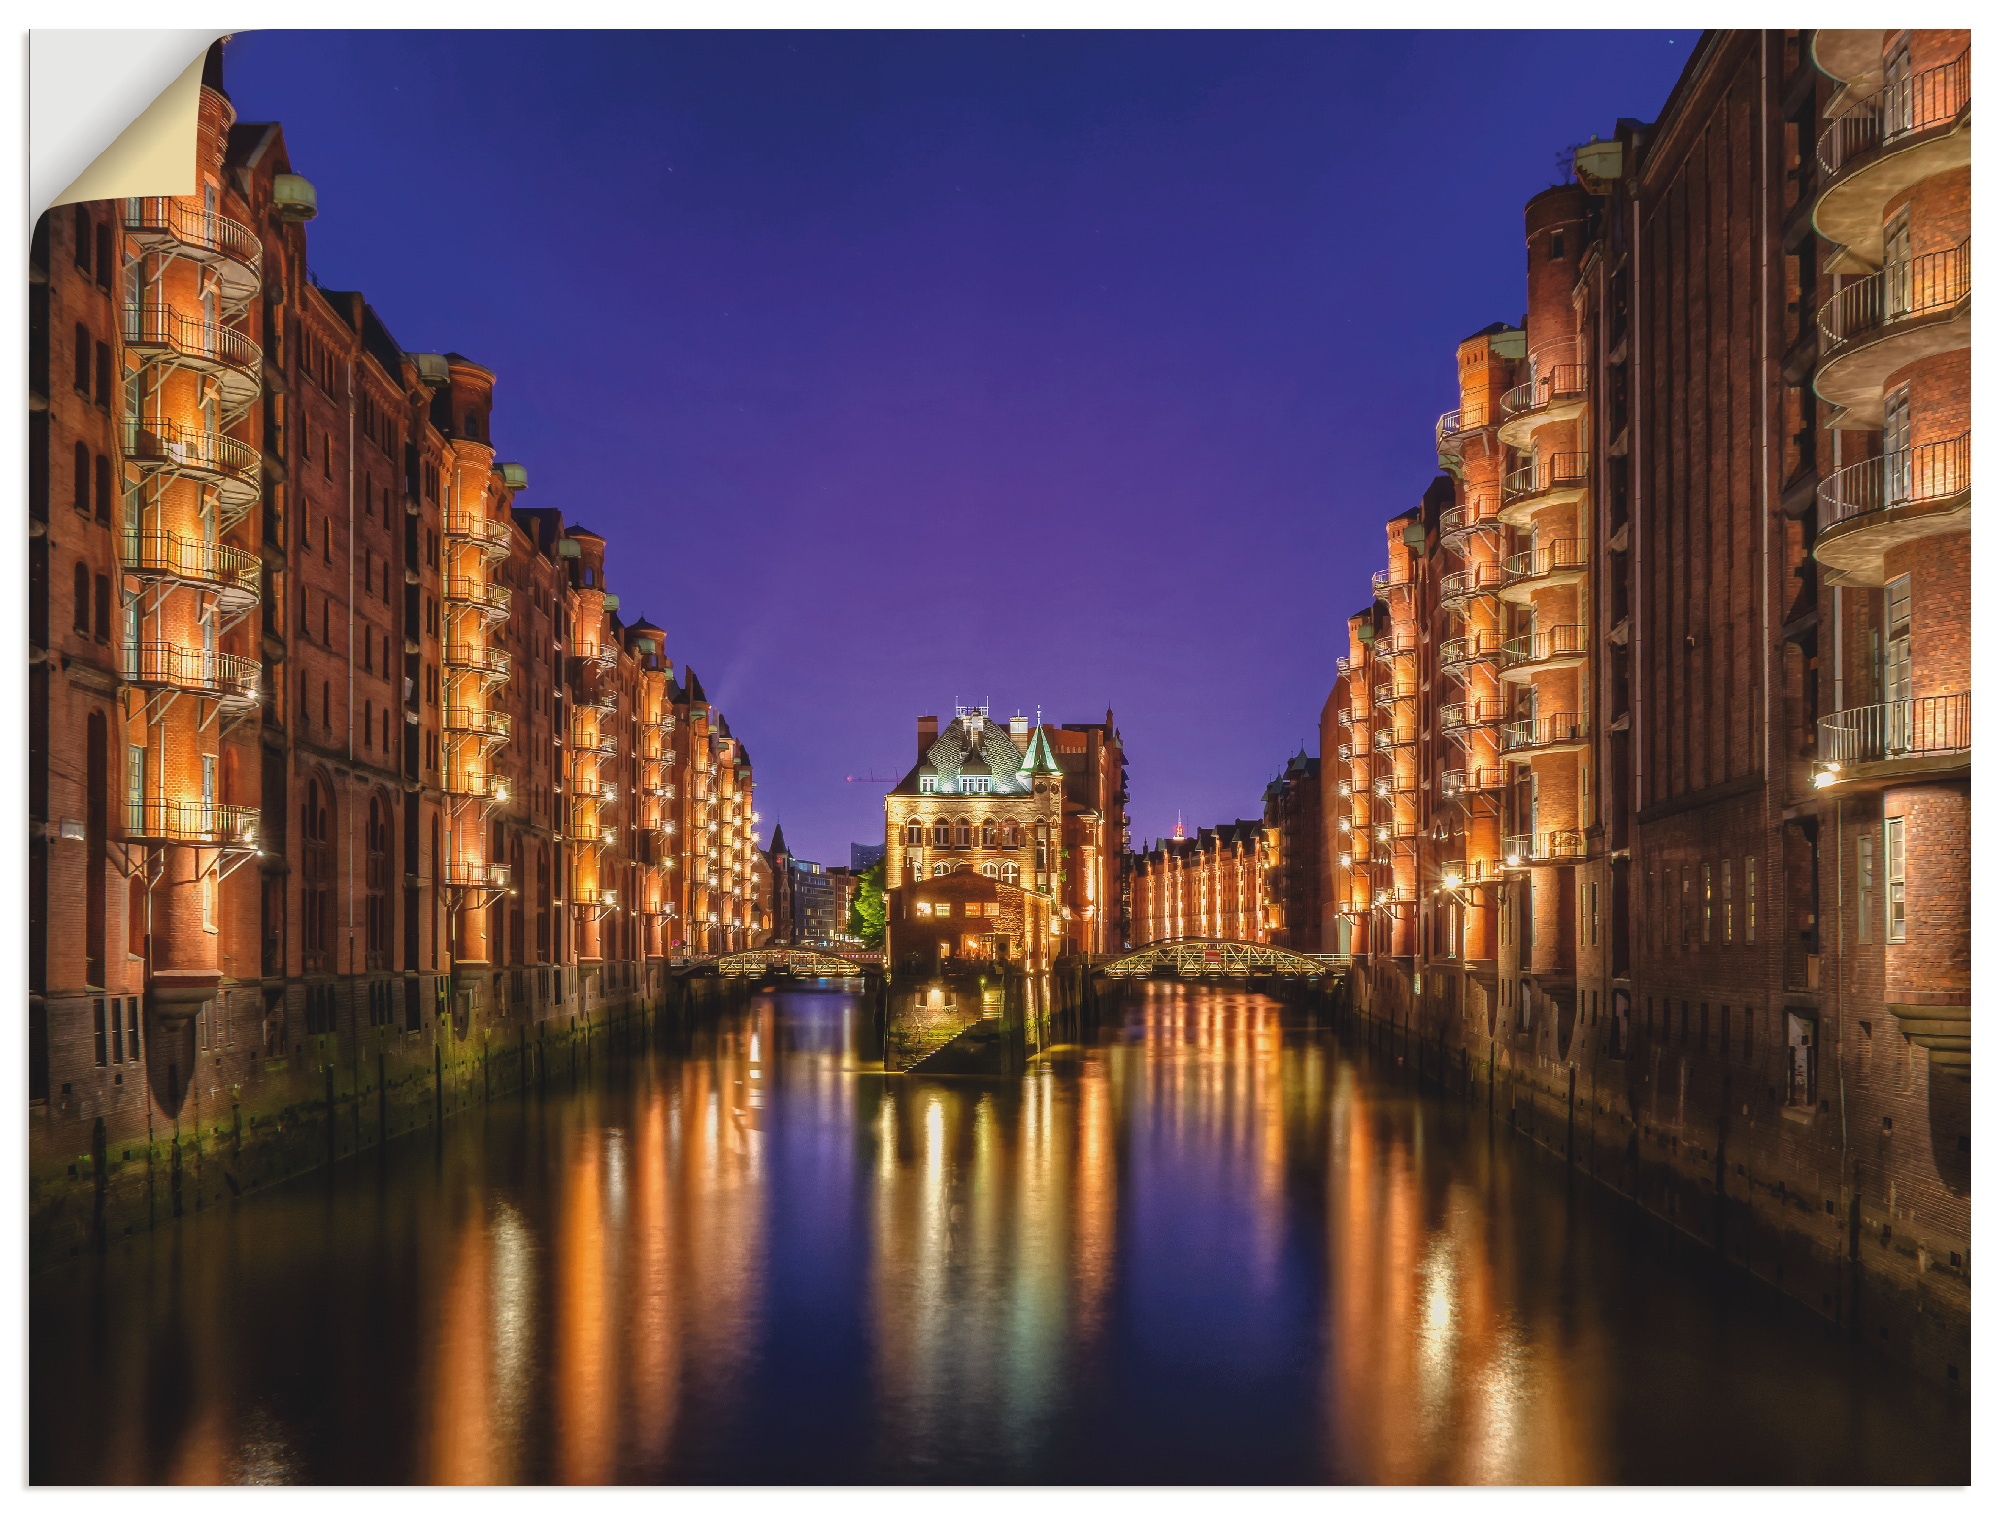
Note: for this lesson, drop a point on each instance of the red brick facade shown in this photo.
(343, 770)
(1648, 771)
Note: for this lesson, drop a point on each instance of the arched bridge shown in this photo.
(794, 962)
(1203, 957)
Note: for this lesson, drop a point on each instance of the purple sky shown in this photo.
(1061, 369)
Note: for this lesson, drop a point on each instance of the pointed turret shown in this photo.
(1041, 757)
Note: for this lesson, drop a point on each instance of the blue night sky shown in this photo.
(1068, 370)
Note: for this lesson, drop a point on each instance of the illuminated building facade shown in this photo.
(1212, 885)
(1294, 873)
(1648, 768)
(341, 765)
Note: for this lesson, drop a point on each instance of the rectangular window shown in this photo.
(81, 378)
(97, 1027)
(1864, 886)
(135, 790)
(1684, 909)
(1801, 1061)
(1750, 900)
(1707, 903)
(104, 374)
(1892, 868)
(1728, 902)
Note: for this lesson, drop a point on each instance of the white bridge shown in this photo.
(1203, 957)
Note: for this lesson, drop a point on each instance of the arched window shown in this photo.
(913, 834)
(1010, 835)
(316, 904)
(941, 833)
(991, 870)
(939, 870)
(989, 835)
(1010, 873)
(377, 878)
(964, 833)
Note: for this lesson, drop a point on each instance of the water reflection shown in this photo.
(1208, 1243)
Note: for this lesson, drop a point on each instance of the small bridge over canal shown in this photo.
(761, 963)
(1209, 958)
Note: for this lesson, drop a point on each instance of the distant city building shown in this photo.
(805, 901)
(1208, 885)
(861, 856)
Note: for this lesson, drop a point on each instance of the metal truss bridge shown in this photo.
(794, 962)
(1201, 957)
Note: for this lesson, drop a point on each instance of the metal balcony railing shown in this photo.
(480, 531)
(1541, 646)
(1481, 509)
(1345, 716)
(484, 786)
(1559, 470)
(471, 657)
(170, 665)
(1559, 555)
(463, 719)
(1461, 422)
(153, 219)
(1456, 783)
(463, 875)
(1912, 476)
(588, 737)
(1542, 847)
(1929, 725)
(1543, 731)
(1917, 104)
(1388, 695)
(1343, 664)
(596, 791)
(482, 595)
(1461, 652)
(1393, 577)
(192, 821)
(599, 654)
(1560, 383)
(206, 343)
(1387, 737)
(189, 560)
(1395, 644)
(1470, 581)
(1907, 291)
(173, 448)
(1469, 715)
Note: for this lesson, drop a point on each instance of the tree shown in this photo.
(868, 913)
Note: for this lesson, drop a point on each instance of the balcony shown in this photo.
(1556, 393)
(1542, 847)
(1882, 145)
(490, 663)
(166, 449)
(231, 574)
(483, 878)
(1560, 478)
(1461, 783)
(1544, 734)
(1386, 579)
(488, 600)
(482, 532)
(1395, 644)
(1345, 716)
(1471, 582)
(1903, 740)
(482, 725)
(598, 654)
(487, 785)
(1388, 738)
(1457, 654)
(191, 670)
(1888, 320)
(1542, 651)
(1472, 715)
(1388, 695)
(1558, 562)
(1481, 512)
(192, 822)
(181, 228)
(595, 791)
(1869, 508)
(1456, 427)
(589, 737)
(225, 354)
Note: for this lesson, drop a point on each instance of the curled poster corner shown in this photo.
(113, 113)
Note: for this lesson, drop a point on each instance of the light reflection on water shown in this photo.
(1210, 1244)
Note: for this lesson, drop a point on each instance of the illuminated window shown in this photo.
(1010, 873)
(962, 834)
(941, 833)
(913, 834)
(1892, 871)
(1864, 885)
(989, 835)
(1750, 901)
(1707, 904)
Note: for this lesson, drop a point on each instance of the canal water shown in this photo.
(1209, 1242)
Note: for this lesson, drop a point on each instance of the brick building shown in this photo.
(1211, 885)
(1650, 778)
(1294, 869)
(1030, 804)
(341, 767)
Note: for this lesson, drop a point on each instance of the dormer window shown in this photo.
(972, 784)
(927, 784)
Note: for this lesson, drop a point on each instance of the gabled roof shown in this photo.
(1040, 756)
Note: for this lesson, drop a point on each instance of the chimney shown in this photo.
(926, 734)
